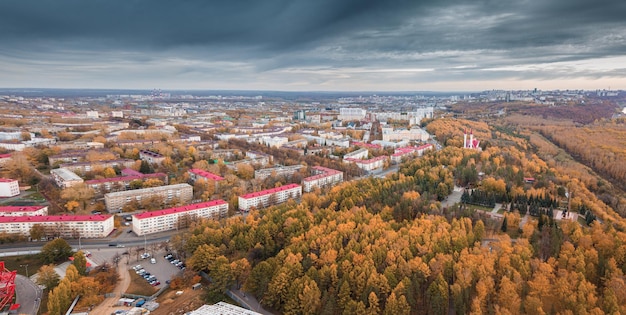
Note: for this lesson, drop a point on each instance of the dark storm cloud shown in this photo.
(332, 38)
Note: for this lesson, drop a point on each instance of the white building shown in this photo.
(222, 308)
(369, 165)
(65, 178)
(277, 171)
(67, 226)
(17, 211)
(414, 134)
(151, 157)
(93, 114)
(9, 187)
(115, 201)
(406, 152)
(269, 197)
(323, 177)
(351, 114)
(358, 154)
(117, 114)
(273, 141)
(178, 217)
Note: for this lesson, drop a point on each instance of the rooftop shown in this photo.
(194, 206)
(206, 174)
(55, 218)
(270, 191)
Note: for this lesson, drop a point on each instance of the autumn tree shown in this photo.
(48, 277)
(80, 262)
(55, 251)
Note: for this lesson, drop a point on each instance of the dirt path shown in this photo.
(108, 305)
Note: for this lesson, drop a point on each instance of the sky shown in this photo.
(314, 45)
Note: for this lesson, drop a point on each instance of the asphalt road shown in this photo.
(28, 295)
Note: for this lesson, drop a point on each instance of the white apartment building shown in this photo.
(19, 211)
(9, 187)
(413, 117)
(406, 152)
(352, 114)
(115, 201)
(358, 154)
(170, 219)
(323, 177)
(82, 167)
(68, 226)
(277, 171)
(369, 165)
(415, 134)
(65, 178)
(269, 197)
(273, 141)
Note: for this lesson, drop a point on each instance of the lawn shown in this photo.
(19, 263)
(139, 285)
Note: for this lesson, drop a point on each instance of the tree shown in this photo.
(152, 182)
(504, 224)
(437, 296)
(146, 168)
(37, 231)
(109, 172)
(55, 251)
(80, 262)
(48, 277)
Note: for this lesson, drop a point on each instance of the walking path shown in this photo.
(105, 308)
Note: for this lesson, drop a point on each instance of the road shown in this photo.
(28, 295)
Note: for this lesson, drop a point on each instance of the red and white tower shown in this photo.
(7, 285)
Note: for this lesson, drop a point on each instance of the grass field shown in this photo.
(19, 263)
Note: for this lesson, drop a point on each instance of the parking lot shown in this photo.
(162, 269)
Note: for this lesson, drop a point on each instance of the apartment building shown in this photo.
(74, 156)
(151, 157)
(65, 178)
(67, 226)
(269, 197)
(178, 217)
(25, 211)
(406, 152)
(83, 167)
(351, 114)
(277, 171)
(9, 187)
(322, 177)
(114, 184)
(414, 134)
(369, 165)
(115, 201)
(357, 155)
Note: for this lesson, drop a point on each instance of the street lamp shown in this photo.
(79, 245)
(26, 267)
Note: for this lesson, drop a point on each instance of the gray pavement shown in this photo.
(28, 295)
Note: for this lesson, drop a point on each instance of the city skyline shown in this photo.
(455, 45)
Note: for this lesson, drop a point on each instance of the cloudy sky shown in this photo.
(321, 45)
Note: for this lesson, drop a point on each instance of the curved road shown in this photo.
(28, 295)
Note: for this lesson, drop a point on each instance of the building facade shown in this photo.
(106, 185)
(406, 152)
(151, 157)
(83, 167)
(178, 217)
(65, 178)
(277, 171)
(67, 226)
(9, 187)
(323, 177)
(369, 165)
(269, 197)
(116, 201)
(17, 211)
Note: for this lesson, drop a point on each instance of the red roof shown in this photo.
(193, 206)
(55, 218)
(367, 145)
(269, 191)
(5, 156)
(7, 180)
(19, 209)
(205, 174)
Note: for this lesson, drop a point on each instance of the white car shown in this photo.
(153, 260)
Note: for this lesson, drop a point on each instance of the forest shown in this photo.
(388, 246)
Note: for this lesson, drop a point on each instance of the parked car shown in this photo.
(155, 283)
(153, 260)
(174, 262)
